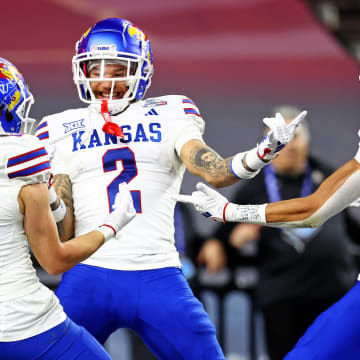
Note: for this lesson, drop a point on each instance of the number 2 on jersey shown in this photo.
(129, 171)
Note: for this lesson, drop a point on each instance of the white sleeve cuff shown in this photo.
(250, 214)
(253, 160)
(60, 212)
(108, 231)
(238, 169)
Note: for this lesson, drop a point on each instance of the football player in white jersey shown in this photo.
(335, 333)
(137, 282)
(33, 324)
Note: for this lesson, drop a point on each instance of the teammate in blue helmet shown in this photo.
(137, 282)
(15, 99)
(33, 323)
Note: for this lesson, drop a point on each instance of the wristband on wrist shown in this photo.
(52, 195)
(254, 161)
(242, 169)
(108, 231)
(59, 211)
(250, 214)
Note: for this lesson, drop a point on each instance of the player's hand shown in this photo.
(206, 201)
(123, 212)
(280, 135)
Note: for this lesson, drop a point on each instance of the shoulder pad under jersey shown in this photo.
(178, 105)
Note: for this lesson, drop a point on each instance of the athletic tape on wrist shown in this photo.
(238, 169)
(253, 160)
(60, 212)
(108, 231)
(251, 214)
(52, 195)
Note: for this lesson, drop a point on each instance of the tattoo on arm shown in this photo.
(203, 157)
(60, 229)
(63, 188)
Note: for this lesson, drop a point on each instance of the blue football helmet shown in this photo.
(113, 41)
(15, 100)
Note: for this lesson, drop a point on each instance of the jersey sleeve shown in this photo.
(28, 161)
(43, 133)
(194, 124)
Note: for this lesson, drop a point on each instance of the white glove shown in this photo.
(280, 134)
(122, 214)
(206, 201)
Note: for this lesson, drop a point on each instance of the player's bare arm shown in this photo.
(55, 257)
(303, 208)
(40, 228)
(202, 160)
(63, 188)
(336, 193)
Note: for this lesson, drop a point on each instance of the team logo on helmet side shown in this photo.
(135, 31)
(5, 72)
(14, 100)
(4, 88)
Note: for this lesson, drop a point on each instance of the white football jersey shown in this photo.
(147, 158)
(27, 307)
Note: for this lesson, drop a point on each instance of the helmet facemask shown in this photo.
(129, 69)
(23, 111)
(113, 41)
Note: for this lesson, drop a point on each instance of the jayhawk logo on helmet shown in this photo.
(133, 30)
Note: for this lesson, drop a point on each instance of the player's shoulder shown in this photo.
(174, 107)
(59, 121)
(20, 142)
(168, 102)
(27, 158)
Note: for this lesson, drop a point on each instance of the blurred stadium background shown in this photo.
(235, 58)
